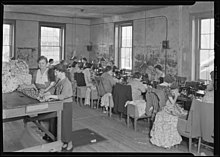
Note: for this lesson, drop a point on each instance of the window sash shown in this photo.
(206, 50)
(125, 45)
(57, 44)
(9, 45)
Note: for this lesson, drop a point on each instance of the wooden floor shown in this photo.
(119, 137)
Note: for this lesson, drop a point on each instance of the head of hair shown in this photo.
(158, 67)
(108, 68)
(137, 75)
(169, 78)
(74, 64)
(84, 59)
(88, 65)
(42, 58)
(60, 67)
(50, 60)
(174, 85)
(80, 65)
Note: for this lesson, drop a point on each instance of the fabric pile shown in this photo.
(14, 73)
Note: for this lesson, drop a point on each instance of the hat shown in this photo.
(169, 78)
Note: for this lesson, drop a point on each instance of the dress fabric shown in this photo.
(164, 132)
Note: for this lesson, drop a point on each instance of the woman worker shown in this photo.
(41, 80)
(63, 91)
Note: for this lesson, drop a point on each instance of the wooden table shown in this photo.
(18, 106)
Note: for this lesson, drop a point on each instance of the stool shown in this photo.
(80, 93)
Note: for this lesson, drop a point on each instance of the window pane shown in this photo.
(205, 41)
(205, 26)
(50, 43)
(126, 58)
(51, 52)
(6, 52)
(212, 26)
(212, 41)
(206, 63)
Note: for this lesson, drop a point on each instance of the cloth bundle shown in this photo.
(141, 106)
(31, 92)
(107, 100)
(14, 73)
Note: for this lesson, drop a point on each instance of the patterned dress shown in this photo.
(164, 132)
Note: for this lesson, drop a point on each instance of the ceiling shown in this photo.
(80, 11)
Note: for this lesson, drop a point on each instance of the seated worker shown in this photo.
(167, 118)
(137, 87)
(111, 81)
(63, 91)
(89, 83)
(209, 92)
(159, 73)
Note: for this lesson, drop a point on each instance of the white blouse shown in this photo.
(42, 78)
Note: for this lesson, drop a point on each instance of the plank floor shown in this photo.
(119, 137)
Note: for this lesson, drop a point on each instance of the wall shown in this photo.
(179, 54)
(27, 33)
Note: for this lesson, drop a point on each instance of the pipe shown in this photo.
(166, 35)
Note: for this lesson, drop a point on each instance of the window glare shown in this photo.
(126, 47)
(7, 37)
(206, 48)
(51, 42)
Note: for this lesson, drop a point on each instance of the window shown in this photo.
(123, 39)
(52, 41)
(202, 46)
(8, 41)
(206, 51)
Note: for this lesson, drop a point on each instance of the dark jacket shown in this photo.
(121, 94)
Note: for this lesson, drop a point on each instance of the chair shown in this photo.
(190, 126)
(207, 124)
(152, 107)
(101, 92)
(81, 87)
(132, 112)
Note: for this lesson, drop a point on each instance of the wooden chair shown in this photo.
(189, 126)
(132, 112)
(80, 94)
(94, 96)
(207, 124)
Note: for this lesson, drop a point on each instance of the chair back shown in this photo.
(161, 97)
(80, 80)
(99, 85)
(200, 120)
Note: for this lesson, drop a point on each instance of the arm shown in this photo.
(50, 86)
(65, 93)
(173, 100)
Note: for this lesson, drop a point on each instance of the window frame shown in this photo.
(12, 38)
(61, 26)
(119, 26)
(196, 41)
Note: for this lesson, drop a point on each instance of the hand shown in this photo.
(33, 86)
(47, 97)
